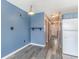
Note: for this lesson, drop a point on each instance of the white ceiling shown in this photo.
(47, 6)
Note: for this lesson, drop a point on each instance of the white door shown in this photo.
(70, 36)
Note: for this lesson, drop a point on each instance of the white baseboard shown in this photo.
(70, 54)
(14, 52)
(5, 57)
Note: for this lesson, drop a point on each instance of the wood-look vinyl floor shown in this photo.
(36, 52)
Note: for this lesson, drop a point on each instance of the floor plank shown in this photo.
(36, 52)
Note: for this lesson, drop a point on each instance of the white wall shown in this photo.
(70, 36)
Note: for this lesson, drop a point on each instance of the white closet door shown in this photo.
(70, 24)
(70, 36)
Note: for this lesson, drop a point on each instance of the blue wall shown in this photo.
(37, 20)
(13, 39)
(37, 36)
(70, 15)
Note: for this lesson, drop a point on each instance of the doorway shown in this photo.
(53, 35)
